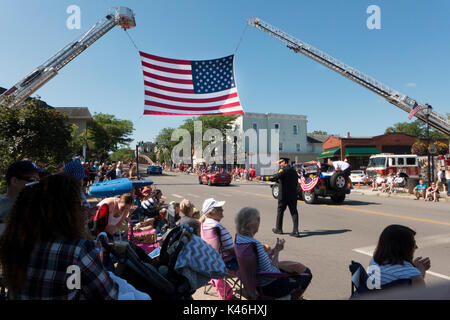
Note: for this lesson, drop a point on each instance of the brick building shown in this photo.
(357, 150)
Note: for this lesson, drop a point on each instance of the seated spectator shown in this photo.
(187, 210)
(213, 211)
(153, 203)
(432, 193)
(377, 182)
(420, 190)
(111, 212)
(399, 181)
(19, 173)
(386, 185)
(173, 214)
(44, 237)
(247, 225)
(394, 256)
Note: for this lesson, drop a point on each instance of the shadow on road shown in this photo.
(348, 202)
(308, 233)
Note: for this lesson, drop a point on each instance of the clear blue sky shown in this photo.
(410, 54)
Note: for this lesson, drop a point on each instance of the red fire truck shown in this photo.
(385, 163)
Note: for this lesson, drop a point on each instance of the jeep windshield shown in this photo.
(377, 162)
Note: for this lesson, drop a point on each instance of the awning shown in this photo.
(361, 151)
(330, 153)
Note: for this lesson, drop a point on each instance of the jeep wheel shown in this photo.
(338, 181)
(338, 198)
(309, 197)
(275, 190)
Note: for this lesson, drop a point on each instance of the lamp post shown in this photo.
(427, 112)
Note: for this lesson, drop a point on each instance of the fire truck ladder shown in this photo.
(394, 97)
(123, 17)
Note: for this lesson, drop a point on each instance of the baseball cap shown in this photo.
(19, 168)
(211, 203)
(284, 159)
(76, 169)
(146, 189)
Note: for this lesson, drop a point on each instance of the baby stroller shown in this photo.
(156, 277)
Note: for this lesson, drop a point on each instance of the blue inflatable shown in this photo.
(116, 187)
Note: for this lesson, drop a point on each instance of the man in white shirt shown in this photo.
(398, 182)
(342, 166)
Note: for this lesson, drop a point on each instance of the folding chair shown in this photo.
(212, 237)
(248, 265)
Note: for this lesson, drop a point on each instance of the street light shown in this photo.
(427, 112)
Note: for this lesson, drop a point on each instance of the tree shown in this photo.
(417, 128)
(125, 155)
(106, 134)
(36, 132)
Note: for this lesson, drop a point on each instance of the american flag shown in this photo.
(308, 184)
(414, 110)
(184, 87)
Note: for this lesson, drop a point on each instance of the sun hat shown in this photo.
(76, 169)
(211, 203)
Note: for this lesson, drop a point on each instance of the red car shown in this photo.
(211, 178)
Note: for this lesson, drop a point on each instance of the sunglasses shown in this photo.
(28, 179)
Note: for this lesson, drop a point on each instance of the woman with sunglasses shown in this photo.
(45, 243)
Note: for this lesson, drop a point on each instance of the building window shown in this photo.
(401, 161)
(255, 126)
(298, 147)
(281, 146)
(295, 129)
(277, 126)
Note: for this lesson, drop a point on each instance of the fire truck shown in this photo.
(388, 163)
(17, 94)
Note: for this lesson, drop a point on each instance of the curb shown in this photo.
(396, 195)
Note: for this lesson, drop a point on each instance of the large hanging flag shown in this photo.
(414, 110)
(184, 87)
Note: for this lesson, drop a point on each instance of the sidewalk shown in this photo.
(401, 193)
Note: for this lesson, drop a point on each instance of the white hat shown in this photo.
(211, 203)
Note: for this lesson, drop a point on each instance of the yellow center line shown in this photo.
(391, 215)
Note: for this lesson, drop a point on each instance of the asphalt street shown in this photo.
(332, 235)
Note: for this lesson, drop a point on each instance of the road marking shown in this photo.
(391, 215)
(368, 251)
(177, 196)
(193, 195)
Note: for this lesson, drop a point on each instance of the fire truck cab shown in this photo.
(385, 163)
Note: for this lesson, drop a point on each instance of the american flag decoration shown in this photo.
(185, 87)
(414, 110)
(308, 184)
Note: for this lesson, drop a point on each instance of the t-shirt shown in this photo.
(421, 187)
(5, 206)
(341, 165)
(225, 237)
(395, 272)
(380, 180)
(399, 180)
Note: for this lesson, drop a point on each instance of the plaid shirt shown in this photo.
(47, 273)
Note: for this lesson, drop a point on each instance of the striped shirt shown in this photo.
(149, 204)
(226, 239)
(264, 262)
(395, 272)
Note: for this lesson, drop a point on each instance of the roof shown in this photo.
(316, 138)
(76, 113)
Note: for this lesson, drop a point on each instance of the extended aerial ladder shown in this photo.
(123, 17)
(392, 96)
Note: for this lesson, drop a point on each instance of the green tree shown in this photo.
(125, 155)
(417, 128)
(34, 132)
(106, 134)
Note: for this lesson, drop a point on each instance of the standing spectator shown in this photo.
(447, 178)
(252, 173)
(420, 190)
(441, 179)
(287, 196)
(394, 256)
(44, 237)
(119, 170)
(17, 176)
(112, 173)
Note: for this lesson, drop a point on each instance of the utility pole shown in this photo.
(137, 161)
(429, 108)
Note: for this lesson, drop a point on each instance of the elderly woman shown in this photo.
(247, 225)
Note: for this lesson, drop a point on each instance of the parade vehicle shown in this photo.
(422, 111)
(388, 163)
(154, 169)
(315, 180)
(17, 94)
(215, 178)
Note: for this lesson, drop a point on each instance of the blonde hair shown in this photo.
(126, 198)
(186, 207)
(244, 219)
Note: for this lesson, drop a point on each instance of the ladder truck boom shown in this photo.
(123, 17)
(394, 97)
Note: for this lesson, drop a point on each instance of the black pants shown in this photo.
(282, 204)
